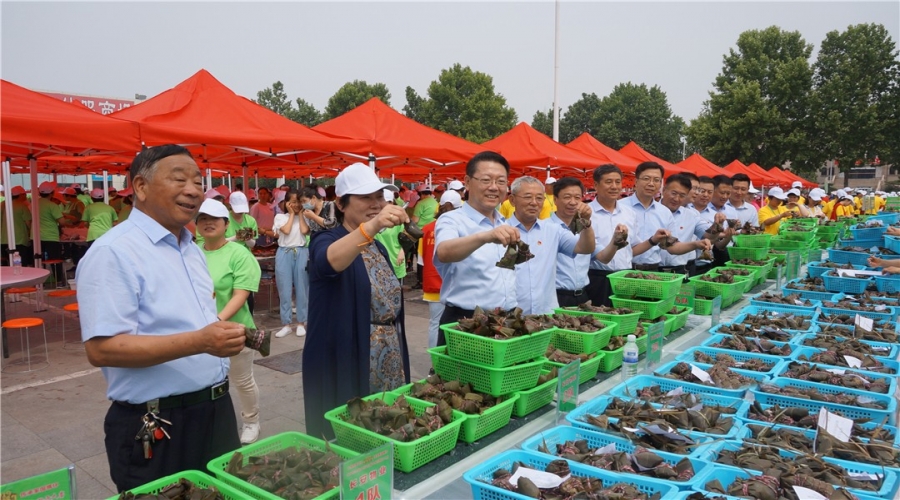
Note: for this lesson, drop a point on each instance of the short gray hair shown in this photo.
(145, 163)
(521, 181)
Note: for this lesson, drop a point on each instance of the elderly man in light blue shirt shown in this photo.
(545, 240)
(148, 319)
(470, 241)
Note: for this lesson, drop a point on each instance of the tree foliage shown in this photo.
(856, 102)
(464, 103)
(275, 99)
(352, 94)
(542, 121)
(758, 110)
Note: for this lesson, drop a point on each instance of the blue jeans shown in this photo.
(290, 271)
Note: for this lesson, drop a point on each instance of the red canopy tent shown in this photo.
(638, 153)
(759, 177)
(529, 151)
(220, 126)
(400, 145)
(589, 145)
(792, 177)
(776, 179)
(700, 166)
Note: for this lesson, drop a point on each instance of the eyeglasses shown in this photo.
(531, 199)
(675, 194)
(704, 191)
(487, 181)
(650, 180)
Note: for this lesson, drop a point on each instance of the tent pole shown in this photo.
(371, 161)
(208, 178)
(230, 188)
(35, 214)
(105, 188)
(8, 210)
(256, 182)
(244, 176)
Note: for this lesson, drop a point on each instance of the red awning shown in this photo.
(701, 166)
(589, 145)
(529, 152)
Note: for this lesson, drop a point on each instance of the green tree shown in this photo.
(857, 97)
(579, 118)
(352, 94)
(637, 113)
(759, 109)
(542, 121)
(307, 114)
(464, 103)
(275, 99)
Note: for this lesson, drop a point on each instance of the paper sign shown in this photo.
(836, 371)
(606, 450)
(865, 477)
(863, 322)
(686, 295)
(656, 338)
(55, 484)
(678, 391)
(852, 362)
(540, 478)
(779, 275)
(668, 432)
(854, 273)
(370, 475)
(807, 494)
(792, 264)
(567, 387)
(716, 309)
(702, 375)
(836, 425)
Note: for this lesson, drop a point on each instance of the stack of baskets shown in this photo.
(708, 290)
(626, 324)
(653, 298)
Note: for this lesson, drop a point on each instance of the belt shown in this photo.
(570, 293)
(599, 272)
(672, 269)
(645, 267)
(211, 393)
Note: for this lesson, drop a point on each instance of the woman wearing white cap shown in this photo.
(356, 343)
(235, 274)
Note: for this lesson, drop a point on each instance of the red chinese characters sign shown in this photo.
(102, 105)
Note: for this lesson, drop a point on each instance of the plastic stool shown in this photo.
(51, 263)
(60, 294)
(23, 324)
(75, 345)
(15, 294)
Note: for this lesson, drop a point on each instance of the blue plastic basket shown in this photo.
(839, 256)
(757, 377)
(888, 484)
(845, 284)
(868, 233)
(597, 405)
(561, 434)
(892, 365)
(887, 217)
(885, 350)
(480, 477)
(890, 380)
(754, 300)
(853, 412)
(717, 338)
(889, 314)
(770, 307)
(819, 294)
(739, 356)
(892, 243)
(886, 399)
(630, 388)
(888, 284)
(815, 269)
(727, 475)
(746, 432)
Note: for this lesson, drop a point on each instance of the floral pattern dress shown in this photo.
(385, 354)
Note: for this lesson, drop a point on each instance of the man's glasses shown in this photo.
(650, 180)
(487, 181)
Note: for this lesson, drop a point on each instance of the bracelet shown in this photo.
(368, 238)
(650, 240)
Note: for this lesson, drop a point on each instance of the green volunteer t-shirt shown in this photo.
(233, 267)
(49, 213)
(234, 226)
(21, 215)
(425, 210)
(100, 218)
(388, 238)
(86, 199)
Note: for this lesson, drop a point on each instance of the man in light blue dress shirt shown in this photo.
(688, 226)
(546, 240)
(571, 272)
(746, 212)
(148, 319)
(470, 241)
(708, 212)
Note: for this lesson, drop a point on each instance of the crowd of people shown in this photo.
(166, 290)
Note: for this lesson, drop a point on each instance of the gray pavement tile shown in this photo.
(42, 408)
(18, 442)
(77, 439)
(33, 464)
(7, 420)
(91, 488)
(280, 424)
(97, 467)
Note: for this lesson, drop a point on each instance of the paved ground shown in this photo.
(54, 417)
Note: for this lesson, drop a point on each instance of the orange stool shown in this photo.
(70, 308)
(49, 264)
(23, 324)
(60, 294)
(15, 294)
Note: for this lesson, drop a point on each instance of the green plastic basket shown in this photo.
(752, 240)
(754, 253)
(648, 309)
(194, 476)
(476, 427)
(588, 369)
(814, 254)
(575, 342)
(407, 456)
(753, 277)
(495, 353)
(806, 235)
(680, 319)
(762, 270)
(783, 243)
(702, 307)
(613, 359)
(778, 255)
(730, 292)
(627, 322)
(535, 398)
(828, 231)
(272, 444)
(666, 288)
(487, 379)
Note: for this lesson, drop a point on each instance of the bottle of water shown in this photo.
(17, 263)
(629, 359)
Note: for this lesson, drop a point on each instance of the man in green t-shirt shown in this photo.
(51, 218)
(99, 216)
(81, 195)
(21, 226)
(390, 239)
(426, 208)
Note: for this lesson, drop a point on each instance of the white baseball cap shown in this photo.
(795, 192)
(359, 179)
(455, 184)
(817, 194)
(238, 202)
(46, 187)
(212, 193)
(278, 197)
(550, 180)
(752, 189)
(213, 207)
(452, 197)
(96, 193)
(388, 195)
(777, 193)
(796, 184)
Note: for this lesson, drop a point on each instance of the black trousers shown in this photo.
(452, 314)
(569, 298)
(26, 252)
(53, 250)
(721, 257)
(200, 433)
(599, 289)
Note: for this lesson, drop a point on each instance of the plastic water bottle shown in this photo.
(630, 359)
(17, 263)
